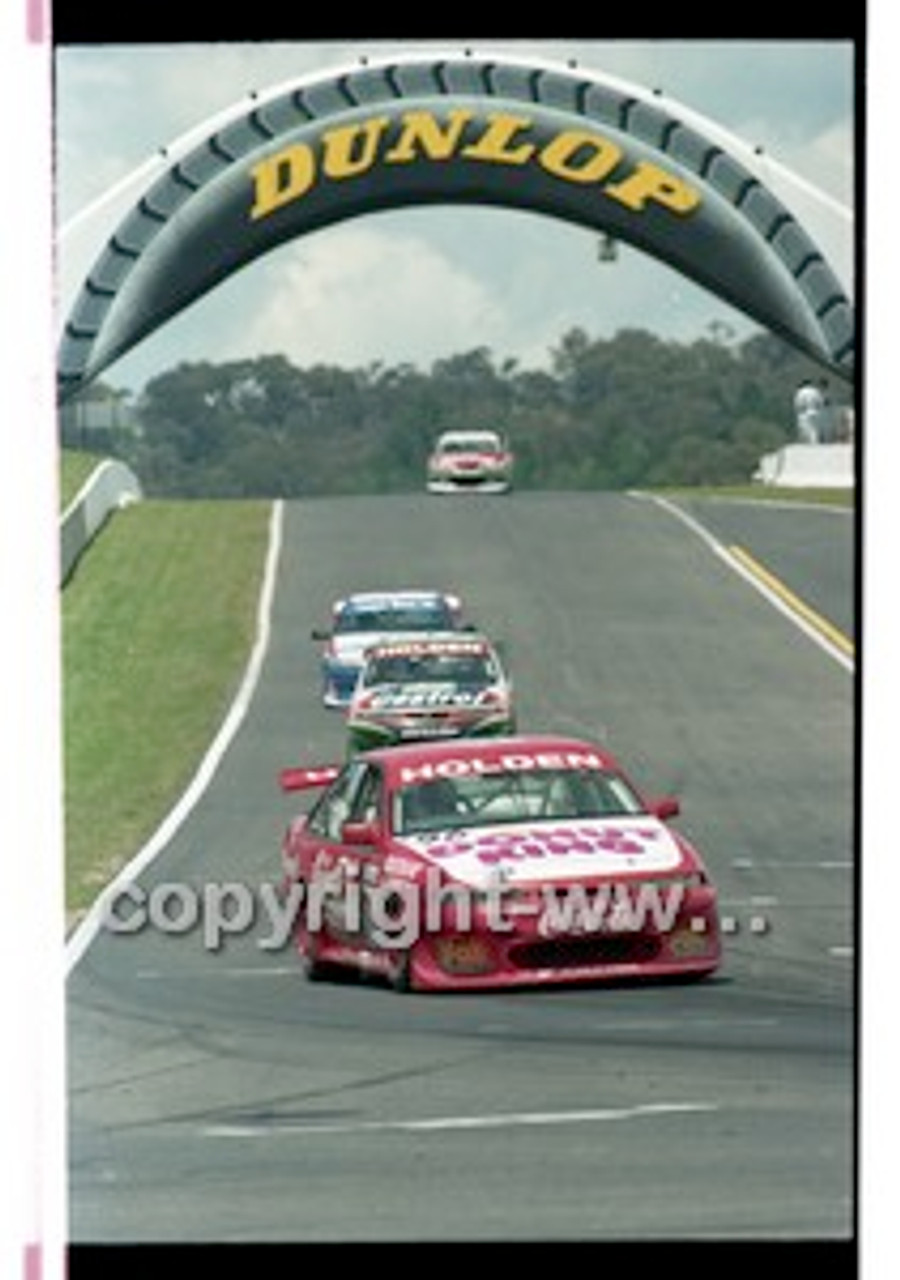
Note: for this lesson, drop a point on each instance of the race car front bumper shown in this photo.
(524, 956)
(468, 484)
(367, 734)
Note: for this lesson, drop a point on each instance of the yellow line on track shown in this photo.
(793, 602)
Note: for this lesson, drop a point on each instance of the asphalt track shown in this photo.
(218, 1097)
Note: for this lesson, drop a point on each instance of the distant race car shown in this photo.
(493, 863)
(440, 686)
(473, 460)
(367, 617)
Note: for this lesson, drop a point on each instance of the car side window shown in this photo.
(367, 800)
(332, 811)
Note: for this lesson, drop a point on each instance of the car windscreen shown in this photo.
(483, 799)
(437, 668)
(471, 444)
(414, 617)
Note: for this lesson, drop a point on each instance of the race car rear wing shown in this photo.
(302, 779)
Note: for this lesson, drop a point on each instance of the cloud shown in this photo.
(417, 286)
(117, 105)
(359, 292)
(828, 161)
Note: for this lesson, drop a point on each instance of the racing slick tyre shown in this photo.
(314, 969)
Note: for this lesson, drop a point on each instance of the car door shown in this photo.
(362, 854)
(332, 868)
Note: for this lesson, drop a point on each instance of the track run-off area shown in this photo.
(216, 1096)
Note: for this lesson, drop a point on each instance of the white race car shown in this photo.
(367, 617)
(470, 460)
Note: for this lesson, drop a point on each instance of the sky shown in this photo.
(419, 285)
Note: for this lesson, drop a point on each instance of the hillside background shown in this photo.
(632, 410)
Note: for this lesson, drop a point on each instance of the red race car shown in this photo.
(498, 862)
(473, 461)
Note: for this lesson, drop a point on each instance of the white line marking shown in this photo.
(745, 864)
(250, 972)
(90, 925)
(156, 975)
(444, 1124)
(845, 953)
(755, 900)
(734, 563)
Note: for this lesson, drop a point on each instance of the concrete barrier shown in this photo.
(110, 486)
(809, 466)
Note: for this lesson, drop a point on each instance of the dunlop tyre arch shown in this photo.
(460, 129)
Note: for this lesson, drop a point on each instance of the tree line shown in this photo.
(631, 410)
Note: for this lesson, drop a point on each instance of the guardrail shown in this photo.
(110, 486)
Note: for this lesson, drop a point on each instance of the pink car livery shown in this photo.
(470, 460)
(511, 861)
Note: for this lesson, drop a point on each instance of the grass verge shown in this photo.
(157, 625)
(768, 493)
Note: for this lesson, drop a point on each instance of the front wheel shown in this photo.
(314, 969)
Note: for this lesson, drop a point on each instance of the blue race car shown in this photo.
(369, 617)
